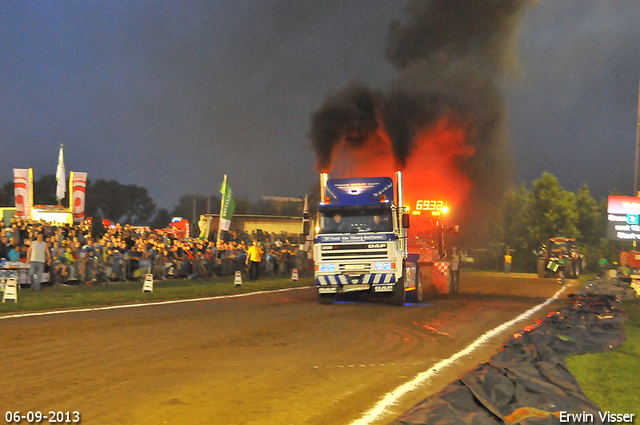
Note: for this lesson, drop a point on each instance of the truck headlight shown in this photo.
(327, 268)
(382, 266)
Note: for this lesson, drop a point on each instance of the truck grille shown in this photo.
(350, 251)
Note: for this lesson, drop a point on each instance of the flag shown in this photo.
(60, 176)
(227, 206)
(78, 189)
(23, 191)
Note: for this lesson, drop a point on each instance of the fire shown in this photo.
(433, 170)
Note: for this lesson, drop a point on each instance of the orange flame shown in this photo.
(433, 170)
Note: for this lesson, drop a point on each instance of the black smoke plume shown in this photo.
(450, 56)
(349, 115)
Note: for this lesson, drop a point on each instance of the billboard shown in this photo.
(623, 218)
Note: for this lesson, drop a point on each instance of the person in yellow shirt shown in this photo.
(507, 263)
(254, 255)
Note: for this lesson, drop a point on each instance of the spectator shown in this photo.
(37, 256)
(507, 263)
(254, 255)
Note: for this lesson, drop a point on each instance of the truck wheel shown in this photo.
(417, 296)
(398, 295)
(419, 288)
(542, 268)
(326, 299)
(569, 270)
(576, 269)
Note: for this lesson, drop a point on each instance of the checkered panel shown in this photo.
(442, 268)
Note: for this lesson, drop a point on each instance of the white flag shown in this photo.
(60, 177)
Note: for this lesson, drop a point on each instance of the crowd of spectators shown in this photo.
(122, 253)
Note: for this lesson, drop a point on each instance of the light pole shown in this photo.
(635, 176)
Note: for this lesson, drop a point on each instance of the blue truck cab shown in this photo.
(360, 244)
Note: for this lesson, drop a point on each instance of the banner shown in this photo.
(23, 191)
(228, 205)
(60, 176)
(205, 227)
(78, 188)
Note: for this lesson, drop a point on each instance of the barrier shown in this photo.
(237, 281)
(148, 283)
(10, 290)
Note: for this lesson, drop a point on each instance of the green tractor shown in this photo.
(559, 255)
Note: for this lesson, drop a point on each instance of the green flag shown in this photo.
(228, 205)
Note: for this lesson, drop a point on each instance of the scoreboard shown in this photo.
(431, 207)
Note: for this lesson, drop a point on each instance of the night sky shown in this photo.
(172, 95)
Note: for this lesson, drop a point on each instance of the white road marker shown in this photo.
(391, 398)
(117, 307)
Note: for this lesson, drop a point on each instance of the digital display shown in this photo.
(429, 205)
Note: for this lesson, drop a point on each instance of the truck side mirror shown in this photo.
(406, 221)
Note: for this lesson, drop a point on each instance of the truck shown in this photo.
(560, 250)
(362, 244)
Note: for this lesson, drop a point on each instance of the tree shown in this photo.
(243, 206)
(184, 208)
(516, 236)
(161, 220)
(7, 195)
(589, 214)
(551, 211)
(44, 190)
(118, 202)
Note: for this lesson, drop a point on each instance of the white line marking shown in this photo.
(392, 397)
(116, 307)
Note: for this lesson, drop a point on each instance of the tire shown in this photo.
(577, 270)
(327, 299)
(417, 296)
(398, 296)
(569, 268)
(542, 268)
(419, 289)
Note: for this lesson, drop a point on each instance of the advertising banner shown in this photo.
(623, 218)
(78, 189)
(23, 191)
(228, 205)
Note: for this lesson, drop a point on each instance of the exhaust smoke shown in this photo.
(442, 120)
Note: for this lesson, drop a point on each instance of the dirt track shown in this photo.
(278, 358)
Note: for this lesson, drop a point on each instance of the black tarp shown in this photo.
(528, 381)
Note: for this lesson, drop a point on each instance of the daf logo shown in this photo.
(376, 245)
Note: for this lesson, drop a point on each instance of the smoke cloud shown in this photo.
(442, 119)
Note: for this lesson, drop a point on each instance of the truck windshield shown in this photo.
(355, 220)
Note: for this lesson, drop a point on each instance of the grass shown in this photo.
(610, 379)
(74, 296)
